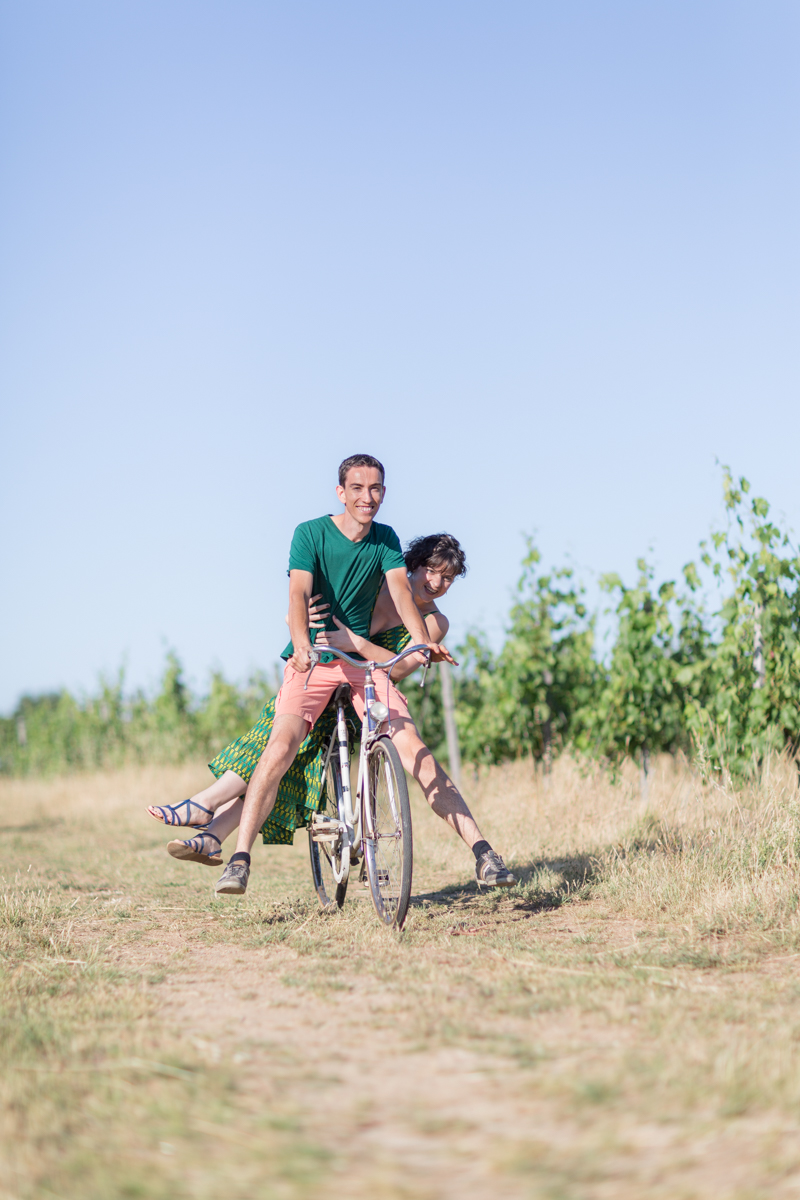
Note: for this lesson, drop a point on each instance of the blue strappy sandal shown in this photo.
(170, 814)
(195, 850)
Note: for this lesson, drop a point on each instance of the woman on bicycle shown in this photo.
(433, 562)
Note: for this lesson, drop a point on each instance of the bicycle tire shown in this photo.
(388, 842)
(330, 893)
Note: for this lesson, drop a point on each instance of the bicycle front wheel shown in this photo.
(325, 849)
(388, 847)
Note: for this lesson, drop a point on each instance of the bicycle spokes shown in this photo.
(388, 841)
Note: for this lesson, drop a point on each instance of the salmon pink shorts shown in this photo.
(293, 700)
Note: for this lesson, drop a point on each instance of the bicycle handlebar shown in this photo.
(316, 655)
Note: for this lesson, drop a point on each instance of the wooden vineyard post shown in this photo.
(644, 775)
(547, 727)
(758, 648)
(449, 707)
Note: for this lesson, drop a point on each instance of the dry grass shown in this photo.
(622, 1024)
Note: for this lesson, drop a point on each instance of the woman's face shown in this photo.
(430, 582)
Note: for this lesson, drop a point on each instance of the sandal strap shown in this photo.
(170, 812)
(197, 842)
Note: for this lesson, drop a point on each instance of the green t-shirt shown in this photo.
(347, 575)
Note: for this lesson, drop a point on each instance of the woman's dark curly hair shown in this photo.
(437, 550)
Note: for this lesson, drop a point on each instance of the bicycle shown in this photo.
(376, 829)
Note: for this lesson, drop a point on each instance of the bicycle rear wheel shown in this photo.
(388, 847)
(327, 855)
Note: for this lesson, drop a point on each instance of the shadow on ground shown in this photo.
(542, 884)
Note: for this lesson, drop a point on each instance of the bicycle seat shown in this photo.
(343, 694)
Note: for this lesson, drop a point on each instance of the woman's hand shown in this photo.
(440, 653)
(317, 613)
(341, 638)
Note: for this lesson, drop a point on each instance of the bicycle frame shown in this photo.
(355, 824)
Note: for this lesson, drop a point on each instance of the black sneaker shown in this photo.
(491, 871)
(233, 880)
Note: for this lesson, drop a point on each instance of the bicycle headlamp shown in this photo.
(378, 711)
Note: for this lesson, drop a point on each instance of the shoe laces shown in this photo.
(490, 858)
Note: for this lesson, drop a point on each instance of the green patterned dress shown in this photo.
(300, 790)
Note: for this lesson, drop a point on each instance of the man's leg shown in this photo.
(297, 707)
(288, 732)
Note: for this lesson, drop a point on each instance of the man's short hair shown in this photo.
(359, 460)
(440, 550)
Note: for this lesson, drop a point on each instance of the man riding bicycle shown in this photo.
(344, 559)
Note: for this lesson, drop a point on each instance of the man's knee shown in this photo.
(281, 748)
(281, 751)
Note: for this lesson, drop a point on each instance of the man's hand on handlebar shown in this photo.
(440, 653)
(301, 659)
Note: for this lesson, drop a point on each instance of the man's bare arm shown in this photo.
(400, 591)
(343, 638)
(301, 584)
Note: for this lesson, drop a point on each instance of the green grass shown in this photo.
(622, 1023)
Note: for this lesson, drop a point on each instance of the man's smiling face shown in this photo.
(362, 494)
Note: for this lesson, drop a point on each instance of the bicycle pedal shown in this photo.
(326, 829)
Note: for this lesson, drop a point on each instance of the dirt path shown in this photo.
(341, 1057)
(452, 1121)
(550, 1043)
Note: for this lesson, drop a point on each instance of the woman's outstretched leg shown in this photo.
(447, 802)
(200, 808)
(206, 846)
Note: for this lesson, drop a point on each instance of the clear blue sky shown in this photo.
(541, 258)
